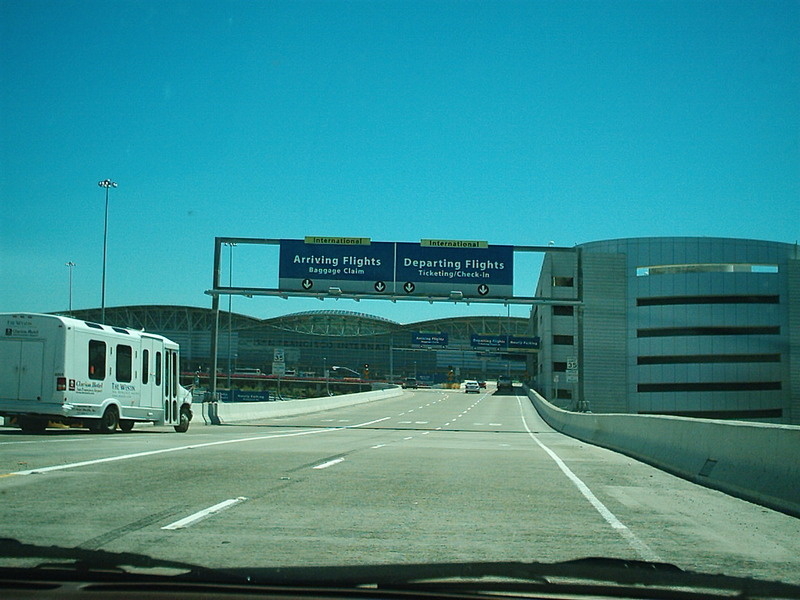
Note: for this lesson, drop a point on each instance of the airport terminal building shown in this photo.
(310, 344)
(705, 327)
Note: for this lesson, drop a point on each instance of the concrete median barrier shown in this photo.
(759, 462)
(234, 412)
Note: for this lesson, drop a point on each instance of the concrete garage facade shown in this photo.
(705, 327)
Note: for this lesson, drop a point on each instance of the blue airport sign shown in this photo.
(431, 268)
(419, 338)
(503, 342)
(472, 272)
(361, 268)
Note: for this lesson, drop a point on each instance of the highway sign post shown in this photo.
(358, 268)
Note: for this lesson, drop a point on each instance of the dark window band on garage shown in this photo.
(735, 299)
(687, 331)
(763, 413)
(708, 358)
(711, 386)
(563, 281)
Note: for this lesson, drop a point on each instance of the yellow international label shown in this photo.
(339, 241)
(454, 244)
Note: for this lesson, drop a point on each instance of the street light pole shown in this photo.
(70, 264)
(106, 183)
(230, 305)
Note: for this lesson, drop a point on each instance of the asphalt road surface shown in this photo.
(431, 476)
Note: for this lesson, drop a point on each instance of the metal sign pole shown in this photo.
(212, 387)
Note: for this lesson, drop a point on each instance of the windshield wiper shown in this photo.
(608, 577)
(81, 561)
(586, 576)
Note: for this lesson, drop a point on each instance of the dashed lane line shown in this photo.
(204, 514)
(330, 463)
(191, 447)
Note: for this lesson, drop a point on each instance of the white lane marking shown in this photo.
(205, 513)
(425, 432)
(642, 549)
(378, 446)
(411, 437)
(85, 439)
(495, 424)
(421, 422)
(191, 447)
(404, 422)
(330, 463)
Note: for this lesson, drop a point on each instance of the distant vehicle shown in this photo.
(471, 386)
(504, 383)
(410, 382)
(77, 373)
(481, 383)
(247, 372)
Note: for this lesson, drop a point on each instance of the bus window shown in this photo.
(124, 363)
(167, 386)
(158, 368)
(174, 374)
(145, 366)
(97, 359)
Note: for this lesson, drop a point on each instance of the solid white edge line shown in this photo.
(642, 549)
(207, 512)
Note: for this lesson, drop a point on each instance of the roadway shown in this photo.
(430, 476)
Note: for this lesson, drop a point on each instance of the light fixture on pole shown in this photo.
(105, 183)
(337, 368)
(70, 264)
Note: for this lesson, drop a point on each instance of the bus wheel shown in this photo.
(126, 425)
(108, 422)
(183, 425)
(32, 425)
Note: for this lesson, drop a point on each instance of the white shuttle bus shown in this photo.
(61, 370)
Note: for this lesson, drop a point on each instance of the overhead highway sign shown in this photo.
(429, 268)
(337, 263)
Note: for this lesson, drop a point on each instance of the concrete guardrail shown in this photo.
(232, 412)
(758, 462)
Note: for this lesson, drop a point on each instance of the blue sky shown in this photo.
(512, 122)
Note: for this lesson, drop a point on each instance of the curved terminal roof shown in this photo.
(332, 323)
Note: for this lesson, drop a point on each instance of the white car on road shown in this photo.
(472, 386)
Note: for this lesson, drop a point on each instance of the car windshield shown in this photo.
(240, 311)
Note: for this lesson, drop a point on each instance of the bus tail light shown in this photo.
(61, 384)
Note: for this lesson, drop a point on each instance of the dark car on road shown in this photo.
(504, 383)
